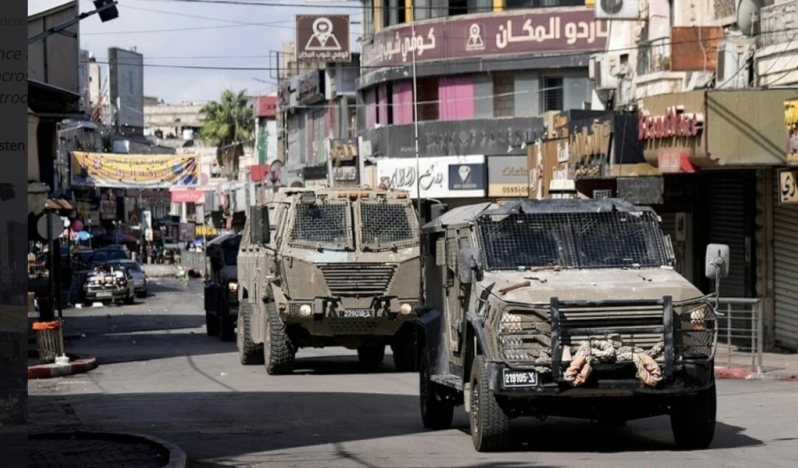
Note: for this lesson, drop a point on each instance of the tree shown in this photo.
(229, 125)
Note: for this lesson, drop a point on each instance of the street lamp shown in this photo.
(105, 8)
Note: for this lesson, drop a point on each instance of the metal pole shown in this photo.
(58, 278)
(418, 164)
(51, 278)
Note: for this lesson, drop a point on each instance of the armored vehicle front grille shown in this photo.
(353, 326)
(358, 279)
(525, 335)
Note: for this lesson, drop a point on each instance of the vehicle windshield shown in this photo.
(386, 225)
(130, 265)
(102, 256)
(572, 240)
(326, 225)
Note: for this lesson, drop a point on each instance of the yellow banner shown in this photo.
(134, 171)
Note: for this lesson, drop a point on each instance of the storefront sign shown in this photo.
(675, 123)
(188, 196)
(345, 174)
(508, 176)
(432, 175)
(311, 88)
(788, 187)
(314, 173)
(483, 37)
(671, 131)
(322, 38)
(467, 177)
(791, 121)
(343, 150)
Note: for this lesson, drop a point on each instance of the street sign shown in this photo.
(56, 226)
(322, 38)
(788, 186)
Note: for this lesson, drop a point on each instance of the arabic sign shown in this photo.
(134, 171)
(311, 87)
(791, 121)
(788, 187)
(490, 35)
(435, 178)
(188, 196)
(322, 38)
(508, 176)
(343, 149)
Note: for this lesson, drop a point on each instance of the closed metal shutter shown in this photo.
(785, 251)
(727, 225)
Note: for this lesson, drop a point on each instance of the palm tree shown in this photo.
(229, 125)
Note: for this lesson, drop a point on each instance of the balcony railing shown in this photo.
(654, 56)
(778, 23)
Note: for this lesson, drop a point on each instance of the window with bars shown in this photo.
(387, 225)
(503, 94)
(572, 240)
(324, 225)
(552, 95)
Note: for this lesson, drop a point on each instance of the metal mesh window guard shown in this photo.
(322, 225)
(572, 240)
(385, 224)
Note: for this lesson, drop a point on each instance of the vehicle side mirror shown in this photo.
(259, 232)
(717, 261)
(468, 266)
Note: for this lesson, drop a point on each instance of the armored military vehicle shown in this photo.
(221, 287)
(563, 307)
(329, 267)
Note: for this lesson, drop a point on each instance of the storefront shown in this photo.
(785, 254)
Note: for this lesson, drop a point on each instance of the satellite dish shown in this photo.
(748, 15)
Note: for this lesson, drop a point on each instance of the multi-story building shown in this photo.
(479, 78)
(708, 84)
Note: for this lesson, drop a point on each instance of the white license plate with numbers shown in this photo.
(356, 313)
(515, 378)
(105, 294)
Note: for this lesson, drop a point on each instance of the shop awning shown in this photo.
(48, 99)
(58, 204)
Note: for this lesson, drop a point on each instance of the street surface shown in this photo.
(161, 375)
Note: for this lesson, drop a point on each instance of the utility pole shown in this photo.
(418, 160)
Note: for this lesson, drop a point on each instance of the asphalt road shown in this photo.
(161, 375)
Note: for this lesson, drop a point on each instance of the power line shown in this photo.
(479, 60)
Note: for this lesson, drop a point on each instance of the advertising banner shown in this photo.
(441, 177)
(134, 171)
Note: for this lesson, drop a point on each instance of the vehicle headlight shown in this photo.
(511, 323)
(232, 286)
(305, 310)
(406, 309)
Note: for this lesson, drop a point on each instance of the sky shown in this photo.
(182, 33)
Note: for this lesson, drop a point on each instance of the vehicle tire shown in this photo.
(249, 353)
(211, 324)
(490, 426)
(435, 413)
(371, 355)
(227, 330)
(405, 358)
(693, 419)
(278, 351)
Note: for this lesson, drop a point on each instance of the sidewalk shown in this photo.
(58, 439)
(776, 365)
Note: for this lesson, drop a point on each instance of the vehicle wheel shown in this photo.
(211, 324)
(371, 355)
(693, 419)
(435, 413)
(490, 426)
(248, 352)
(404, 352)
(227, 331)
(278, 351)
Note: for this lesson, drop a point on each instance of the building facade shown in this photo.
(486, 76)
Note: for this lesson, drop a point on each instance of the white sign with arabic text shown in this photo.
(400, 173)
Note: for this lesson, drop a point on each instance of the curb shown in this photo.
(47, 371)
(175, 456)
(736, 373)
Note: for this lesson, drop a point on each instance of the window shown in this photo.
(322, 225)
(458, 7)
(427, 98)
(552, 94)
(480, 6)
(422, 9)
(503, 94)
(393, 12)
(521, 4)
(368, 18)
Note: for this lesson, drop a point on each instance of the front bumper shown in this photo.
(107, 295)
(688, 378)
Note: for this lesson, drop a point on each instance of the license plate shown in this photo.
(513, 378)
(356, 313)
(105, 294)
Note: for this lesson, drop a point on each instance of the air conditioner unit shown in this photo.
(602, 68)
(733, 65)
(618, 9)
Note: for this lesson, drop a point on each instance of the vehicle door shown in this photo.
(454, 314)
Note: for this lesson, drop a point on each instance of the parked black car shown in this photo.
(221, 288)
